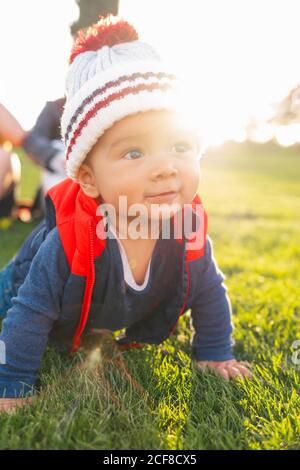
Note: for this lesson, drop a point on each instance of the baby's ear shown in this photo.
(87, 182)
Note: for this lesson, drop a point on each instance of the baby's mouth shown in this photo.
(164, 196)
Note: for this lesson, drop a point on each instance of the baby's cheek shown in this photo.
(191, 183)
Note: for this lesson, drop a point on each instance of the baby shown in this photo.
(86, 267)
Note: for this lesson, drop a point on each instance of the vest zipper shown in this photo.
(90, 281)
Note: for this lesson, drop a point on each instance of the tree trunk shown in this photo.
(90, 10)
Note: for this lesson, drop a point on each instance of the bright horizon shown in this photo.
(241, 56)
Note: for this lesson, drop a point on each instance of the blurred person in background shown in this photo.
(44, 146)
(11, 135)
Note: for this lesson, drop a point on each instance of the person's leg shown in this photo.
(6, 289)
(5, 172)
(10, 175)
(38, 205)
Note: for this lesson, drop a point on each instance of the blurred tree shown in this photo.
(288, 110)
(90, 10)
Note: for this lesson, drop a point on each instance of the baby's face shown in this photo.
(144, 155)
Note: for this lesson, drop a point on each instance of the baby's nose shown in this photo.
(163, 168)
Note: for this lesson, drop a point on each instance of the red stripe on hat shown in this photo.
(113, 97)
(132, 77)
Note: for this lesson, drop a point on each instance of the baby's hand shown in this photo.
(9, 405)
(230, 369)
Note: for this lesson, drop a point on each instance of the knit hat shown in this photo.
(112, 74)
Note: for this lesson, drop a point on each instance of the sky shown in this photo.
(238, 56)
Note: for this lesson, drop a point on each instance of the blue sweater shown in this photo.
(37, 316)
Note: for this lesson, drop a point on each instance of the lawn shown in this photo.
(252, 196)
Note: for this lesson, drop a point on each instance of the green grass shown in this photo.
(12, 234)
(252, 196)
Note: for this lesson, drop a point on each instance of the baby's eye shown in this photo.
(181, 147)
(133, 154)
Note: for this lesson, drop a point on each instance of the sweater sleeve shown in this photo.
(41, 142)
(28, 322)
(211, 311)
